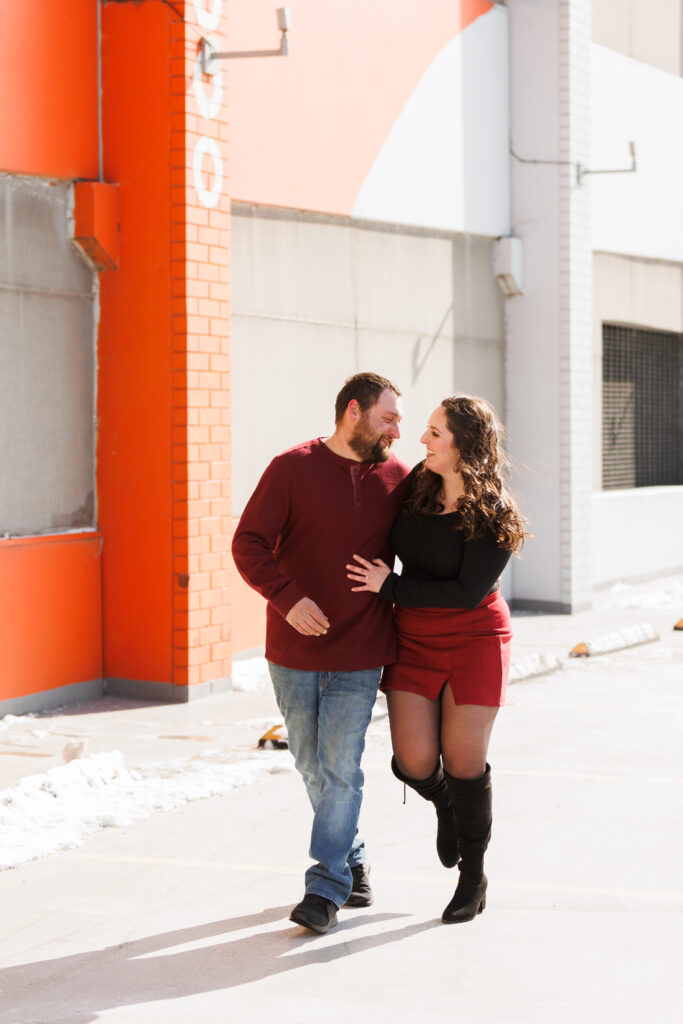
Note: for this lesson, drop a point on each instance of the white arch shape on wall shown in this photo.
(206, 146)
(208, 19)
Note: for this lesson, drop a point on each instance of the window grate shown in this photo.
(642, 407)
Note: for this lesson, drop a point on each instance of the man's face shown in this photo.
(376, 429)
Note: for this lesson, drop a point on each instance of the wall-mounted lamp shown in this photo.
(582, 171)
(208, 55)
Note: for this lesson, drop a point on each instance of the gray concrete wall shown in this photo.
(47, 363)
(316, 299)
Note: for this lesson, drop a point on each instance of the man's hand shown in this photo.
(307, 618)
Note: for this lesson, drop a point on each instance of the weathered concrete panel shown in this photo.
(35, 246)
(316, 300)
(47, 364)
(647, 31)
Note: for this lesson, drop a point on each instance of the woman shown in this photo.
(454, 537)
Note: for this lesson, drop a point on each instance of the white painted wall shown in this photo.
(445, 161)
(548, 328)
(637, 532)
(637, 214)
(531, 320)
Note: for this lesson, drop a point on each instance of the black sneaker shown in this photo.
(361, 893)
(315, 912)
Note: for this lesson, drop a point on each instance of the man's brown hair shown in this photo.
(365, 388)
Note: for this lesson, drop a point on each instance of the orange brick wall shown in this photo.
(200, 382)
(164, 453)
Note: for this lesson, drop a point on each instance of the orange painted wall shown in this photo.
(306, 129)
(48, 87)
(50, 595)
(163, 451)
(50, 613)
(134, 438)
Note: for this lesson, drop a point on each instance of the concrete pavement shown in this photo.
(184, 916)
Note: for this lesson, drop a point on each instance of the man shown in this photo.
(316, 506)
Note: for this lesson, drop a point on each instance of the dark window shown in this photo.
(642, 407)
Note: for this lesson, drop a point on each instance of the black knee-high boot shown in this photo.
(471, 800)
(434, 789)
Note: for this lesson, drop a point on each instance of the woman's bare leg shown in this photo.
(415, 725)
(465, 733)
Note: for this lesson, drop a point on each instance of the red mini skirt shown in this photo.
(468, 649)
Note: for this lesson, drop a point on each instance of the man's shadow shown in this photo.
(74, 989)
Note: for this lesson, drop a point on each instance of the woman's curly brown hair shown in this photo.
(486, 503)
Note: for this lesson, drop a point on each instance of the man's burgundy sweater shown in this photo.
(310, 513)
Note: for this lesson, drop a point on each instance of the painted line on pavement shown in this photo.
(274, 869)
(542, 773)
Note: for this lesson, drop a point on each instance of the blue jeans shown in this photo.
(327, 715)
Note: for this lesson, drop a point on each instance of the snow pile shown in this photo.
(664, 594)
(250, 675)
(8, 721)
(53, 811)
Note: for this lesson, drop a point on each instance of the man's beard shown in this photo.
(369, 447)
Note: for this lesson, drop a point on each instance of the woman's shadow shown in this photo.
(74, 989)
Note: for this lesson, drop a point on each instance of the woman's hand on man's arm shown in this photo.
(370, 575)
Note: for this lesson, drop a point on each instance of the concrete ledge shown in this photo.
(618, 641)
(165, 693)
(249, 652)
(522, 604)
(534, 665)
(48, 700)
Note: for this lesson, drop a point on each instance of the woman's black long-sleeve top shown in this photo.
(440, 569)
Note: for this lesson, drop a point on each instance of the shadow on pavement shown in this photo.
(74, 989)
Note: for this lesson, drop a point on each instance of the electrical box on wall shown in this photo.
(508, 265)
(96, 222)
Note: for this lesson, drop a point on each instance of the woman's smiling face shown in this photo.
(441, 455)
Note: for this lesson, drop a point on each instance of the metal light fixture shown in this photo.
(208, 54)
(582, 171)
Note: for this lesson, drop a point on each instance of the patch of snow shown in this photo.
(664, 594)
(250, 675)
(259, 723)
(8, 721)
(74, 749)
(55, 810)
